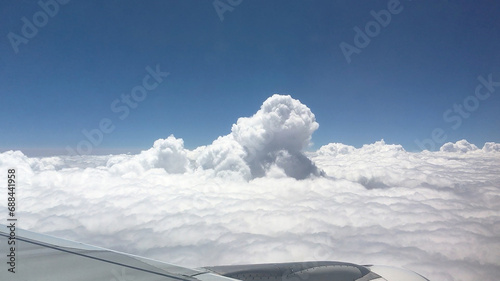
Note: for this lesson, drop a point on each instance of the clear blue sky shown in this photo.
(65, 78)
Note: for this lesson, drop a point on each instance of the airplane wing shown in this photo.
(30, 256)
(38, 257)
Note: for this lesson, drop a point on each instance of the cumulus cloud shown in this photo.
(334, 149)
(252, 196)
(272, 139)
(460, 146)
(275, 136)
(491, 147)
(280, 130)
(168, 154)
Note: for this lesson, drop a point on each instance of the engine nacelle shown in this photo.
(315, 271)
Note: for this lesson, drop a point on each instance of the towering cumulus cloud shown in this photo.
(252, 196)
(275, 136)
(271, 141)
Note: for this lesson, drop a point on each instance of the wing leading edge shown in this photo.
(41, 257)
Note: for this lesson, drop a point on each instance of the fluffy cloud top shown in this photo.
(254, 196)
(282, 123)
(168, 154)
(491, 147)
(276, 135)
(460, 146)
(271, 140)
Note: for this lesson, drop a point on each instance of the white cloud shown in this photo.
(240, 200)
(460, 146)
(491, 147)
(333, 149)
(273, 138)
(168, 154)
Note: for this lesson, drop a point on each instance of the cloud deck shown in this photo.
(255, 196)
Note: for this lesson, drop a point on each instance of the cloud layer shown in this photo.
(255, 196)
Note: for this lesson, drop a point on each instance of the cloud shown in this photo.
(460, 146)
(168, 154)
(272, 139)
(276, 136)
(334, 149)
(282, 123)
(491, 147)
(255, 196)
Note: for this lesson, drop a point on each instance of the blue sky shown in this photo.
(65, 78)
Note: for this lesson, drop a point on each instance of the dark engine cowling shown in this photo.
(315, 271)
